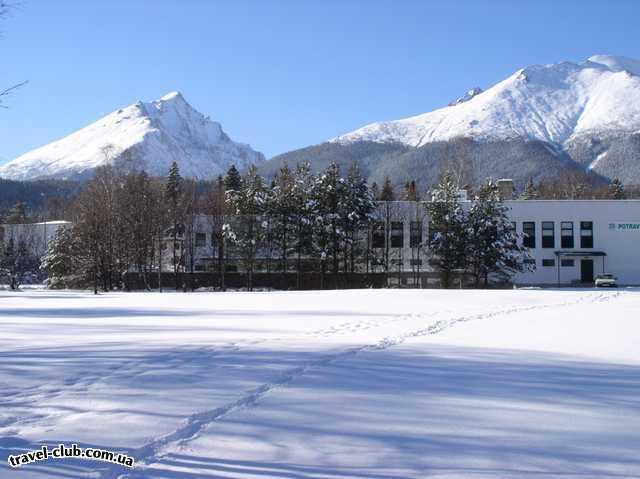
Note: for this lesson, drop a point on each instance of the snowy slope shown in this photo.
(552, 103)
(541, 122)
(325, 384)
(147, 136)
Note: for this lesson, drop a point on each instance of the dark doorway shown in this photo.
(586, 270)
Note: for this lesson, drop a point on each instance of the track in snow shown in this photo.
(194, 424)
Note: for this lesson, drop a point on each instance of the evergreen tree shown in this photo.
(233, 180)
(411, 191)
(530, 191)
(249, 203)
(282, 208)
(17, 214)
(173, 188)
(173, 196)
(375, 191)
(327, 192)
(387, 193)
(616, 190)
(447, 230)
(356, 212)
(492, 247)
(306, 211)
(62, 261)
(17, 261)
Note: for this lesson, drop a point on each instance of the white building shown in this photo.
(571, 241)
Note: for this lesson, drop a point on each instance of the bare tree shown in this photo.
(189, 209)
(136, 204)
(218, 210)
(459, 163)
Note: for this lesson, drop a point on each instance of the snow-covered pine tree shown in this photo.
(62, 261)
(356, 213)
(493, 249)
(7, 260)
(305, 214)
(327, 192)
(530, 191)
(282, 210)
(616, 190)
(248, 231)
(233, 180)
(447, 230)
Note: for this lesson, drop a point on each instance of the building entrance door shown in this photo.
(586, 270)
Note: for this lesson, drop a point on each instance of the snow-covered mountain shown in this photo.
(143, 136)
(540, 120)
(552, 103)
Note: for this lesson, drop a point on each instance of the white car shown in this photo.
(606, 280)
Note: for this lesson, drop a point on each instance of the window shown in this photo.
(529, 232)
(567, 263)
(213, 239)
(199, 267)
(397, 234)
(377, 236)
(586, 234)
(415, 234)
(548, 262)
(548, 234)
(566, 234)
(416, 262)
(529, 261)
(201, 240)
(513, 226)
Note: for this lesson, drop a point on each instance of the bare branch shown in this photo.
(5, 8)
(8, 91)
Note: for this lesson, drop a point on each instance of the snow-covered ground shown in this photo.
(333, 384)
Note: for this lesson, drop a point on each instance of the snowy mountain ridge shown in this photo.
(555, 103)
(143, 136)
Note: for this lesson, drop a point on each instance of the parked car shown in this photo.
(606, 280)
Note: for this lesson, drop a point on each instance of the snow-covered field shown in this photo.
(333, 384)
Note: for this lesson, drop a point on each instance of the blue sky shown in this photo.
(282, 74)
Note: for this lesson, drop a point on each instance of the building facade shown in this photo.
(570, 241)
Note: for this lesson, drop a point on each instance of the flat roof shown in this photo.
(55, 222)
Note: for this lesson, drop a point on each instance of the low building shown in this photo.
(570, 241)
